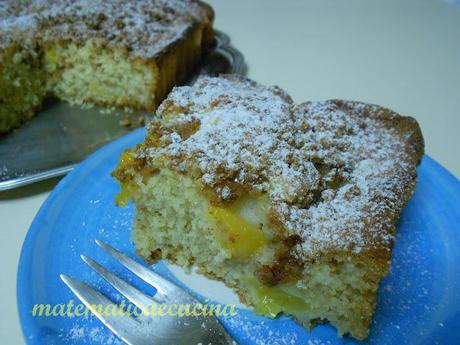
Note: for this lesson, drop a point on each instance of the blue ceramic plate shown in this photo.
(418, 303)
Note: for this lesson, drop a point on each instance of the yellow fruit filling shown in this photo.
(236, 234)
(128, 189)
(126, 192)
(271, 301)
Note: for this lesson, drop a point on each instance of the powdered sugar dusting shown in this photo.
(337, 173)
(91, 334)
(261, 333)
(145, 27)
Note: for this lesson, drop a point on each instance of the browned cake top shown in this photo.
(337, 173)
(145, 27)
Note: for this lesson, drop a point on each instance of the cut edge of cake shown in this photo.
(90, 66)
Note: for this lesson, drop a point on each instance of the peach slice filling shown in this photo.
(237, 235)
(271, 301)
(242, 235)
(128, 189)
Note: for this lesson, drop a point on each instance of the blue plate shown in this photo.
(418, 303)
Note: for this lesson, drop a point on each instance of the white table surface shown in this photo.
(404, 54)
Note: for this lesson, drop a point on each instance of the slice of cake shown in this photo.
(117, 53)
(293, 206)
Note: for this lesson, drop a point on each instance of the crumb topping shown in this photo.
(337, 172)
(145, 27)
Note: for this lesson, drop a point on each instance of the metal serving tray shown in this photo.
(60, 136)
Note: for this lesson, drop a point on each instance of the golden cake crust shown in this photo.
(337, 173)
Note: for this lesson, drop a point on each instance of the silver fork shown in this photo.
(147, 329)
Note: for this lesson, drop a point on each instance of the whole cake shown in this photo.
(119, 53)
(292, 205)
